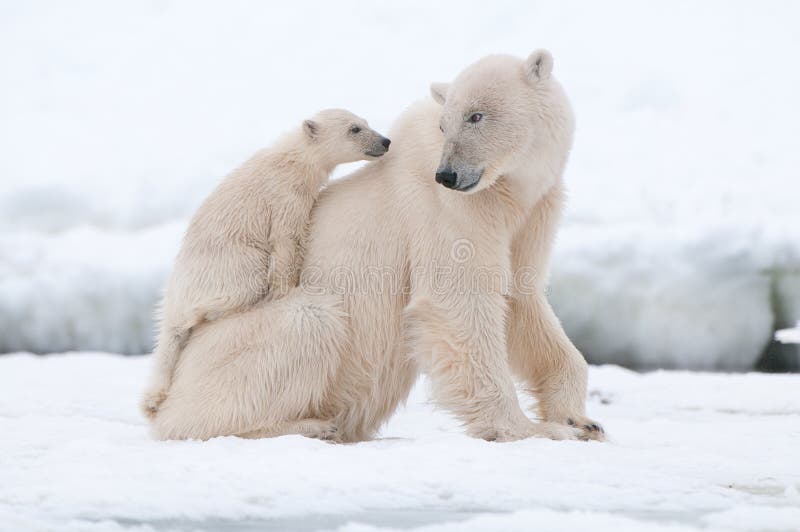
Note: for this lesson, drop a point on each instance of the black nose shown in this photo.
(447, 178)
(386, 143)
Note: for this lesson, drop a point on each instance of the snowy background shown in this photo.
(680, 246)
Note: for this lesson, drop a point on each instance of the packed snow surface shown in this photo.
(680, 245)
(686, 451)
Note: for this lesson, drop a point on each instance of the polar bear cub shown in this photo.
(245, 242)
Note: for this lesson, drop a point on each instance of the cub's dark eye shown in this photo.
(355, 129)
(475, 117)
(441, 129)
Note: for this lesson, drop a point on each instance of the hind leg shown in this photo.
(192, 299)
(258, 370)
(170, 343)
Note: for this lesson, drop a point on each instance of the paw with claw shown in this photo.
(590, 430)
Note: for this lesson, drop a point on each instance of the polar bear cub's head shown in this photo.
(339, 136)
(500, 115)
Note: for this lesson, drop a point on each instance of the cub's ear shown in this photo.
(310, 128)
(439, 92)
(539, 65)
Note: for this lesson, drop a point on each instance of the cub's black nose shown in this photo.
(447, 178)
(386, 143)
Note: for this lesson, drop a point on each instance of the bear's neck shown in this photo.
(540, 167)
(311, 162)
(528, 185)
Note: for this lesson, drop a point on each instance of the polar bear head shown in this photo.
(339, 136)
(500, 116)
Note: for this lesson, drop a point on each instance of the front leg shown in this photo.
(553, 369)
(463, 351)
(284, 266)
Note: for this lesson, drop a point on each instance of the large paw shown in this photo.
(552, 431)
(590, 430)
(321, 430)
(555, 431)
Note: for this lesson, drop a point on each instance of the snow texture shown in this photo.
(687, 451)
(789, 336)
(680, 245)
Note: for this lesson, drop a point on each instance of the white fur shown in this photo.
(376, 312)
(245, 242)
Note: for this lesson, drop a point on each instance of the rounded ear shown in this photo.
(310, 128)
(439, 92)
(539, 65)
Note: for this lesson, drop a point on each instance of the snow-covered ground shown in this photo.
(789, 336)
(680, 246)
(686, 451)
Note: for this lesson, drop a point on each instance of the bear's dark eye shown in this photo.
(475, 117)
(441, 129)
(355, 129)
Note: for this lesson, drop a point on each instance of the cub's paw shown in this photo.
(152, 401)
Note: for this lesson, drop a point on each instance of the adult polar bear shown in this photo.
(395, 281)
